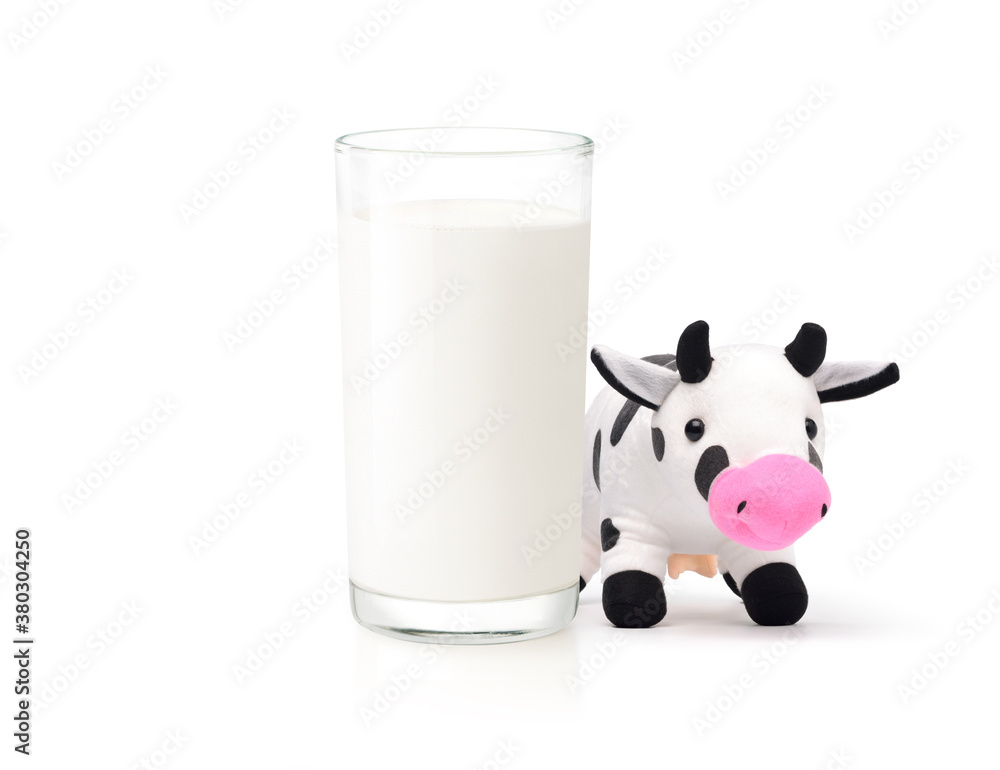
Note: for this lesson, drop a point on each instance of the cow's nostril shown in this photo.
(741, 506)
(823, 513)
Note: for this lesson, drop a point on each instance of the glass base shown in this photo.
(508, 620)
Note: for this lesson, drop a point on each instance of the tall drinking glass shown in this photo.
(464, 256)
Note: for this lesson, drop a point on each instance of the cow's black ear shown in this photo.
(843, 380)
(643, 382)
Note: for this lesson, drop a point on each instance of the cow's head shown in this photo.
(744, 429)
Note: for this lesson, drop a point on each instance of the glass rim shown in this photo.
(573, 142)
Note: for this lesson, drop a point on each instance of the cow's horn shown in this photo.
(694, 360)
(807, 351)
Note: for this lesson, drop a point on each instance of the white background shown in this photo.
(824, 695)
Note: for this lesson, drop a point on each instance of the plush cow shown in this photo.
(698, 457)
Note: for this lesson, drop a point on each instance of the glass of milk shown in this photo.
(464, 256)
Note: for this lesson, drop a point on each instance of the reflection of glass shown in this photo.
(463, 263)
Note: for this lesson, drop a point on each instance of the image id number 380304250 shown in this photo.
(22, 641)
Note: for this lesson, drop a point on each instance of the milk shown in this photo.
(464, 400)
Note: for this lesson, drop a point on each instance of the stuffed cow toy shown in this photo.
(710, 460)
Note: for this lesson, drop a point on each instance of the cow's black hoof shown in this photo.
(634, 599)
(731, 583)
(775, 595)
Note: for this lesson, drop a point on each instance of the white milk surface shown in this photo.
(463, 409)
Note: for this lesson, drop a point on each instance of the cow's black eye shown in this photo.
(694, 429)
(811, 429)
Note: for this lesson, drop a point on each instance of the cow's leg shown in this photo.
(633, 563)
(770, 585)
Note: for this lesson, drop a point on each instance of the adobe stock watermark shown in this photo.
(248, 150)
(559, 14)
(758, 324)
(621, 292)
(734, 692)
(96, 645)
(764, 319)
(707, 34)
(223, 8)
(937, 660)
(131, 440)
(615, 464)
(87, 310)
(32, 24)
(589, 666)
(7, 569)
(163, 752)
(912, 171)
(368, 31)
(608, 134)
(784, 129)
(122, 107)
(838, 759)
(291, 280)
(898, 17)
(921, 504)
(551, 190)
(455, 115)
(258, 482)
(501, 755)
(550, 193)
(463, 450)
(958, 297)
(395, 689)
(560, 523)
(418, 322)
(301, 612)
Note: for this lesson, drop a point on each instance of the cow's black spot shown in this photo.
(597, 460)
(814, 458)
(658, 443)
(609, 535)
(583, 583)
(625, 415)
(713, 461)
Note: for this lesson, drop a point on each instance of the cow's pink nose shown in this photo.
(770, 503)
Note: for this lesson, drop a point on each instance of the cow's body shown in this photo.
(668, 477)
(655, 517)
